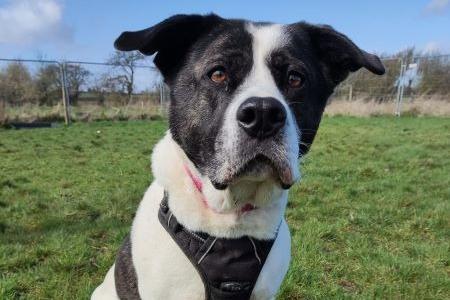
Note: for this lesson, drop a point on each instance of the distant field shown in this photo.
(370, 108)
(371, 218)
(145, 110)
(81, 113)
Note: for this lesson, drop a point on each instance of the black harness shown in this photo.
(229, 268)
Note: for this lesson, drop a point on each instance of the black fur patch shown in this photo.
(198, 105)
(125, 274)
(327, 57)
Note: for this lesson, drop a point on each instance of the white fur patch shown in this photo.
(260, 83)
(107, 290)
(186, 203)
(276, 266)
(162, 269)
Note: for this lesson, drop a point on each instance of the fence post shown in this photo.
(350, 93)
(163, 98)
(2, 111)
(65, 95)
(400, 89)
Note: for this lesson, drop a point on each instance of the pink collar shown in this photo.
(198, 184)
(195, 179)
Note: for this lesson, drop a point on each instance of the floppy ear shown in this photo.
(171, 39)
(339, 54)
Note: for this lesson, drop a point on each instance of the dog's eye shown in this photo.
(295, 79)
(218, 75)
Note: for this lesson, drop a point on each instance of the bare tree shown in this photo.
(109, 88)
(48, 84)
(434, 73)
(76, 77)
(126, 63)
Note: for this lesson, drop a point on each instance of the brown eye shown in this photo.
(295, 79)
(218, 75)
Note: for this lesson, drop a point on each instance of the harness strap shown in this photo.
(228, 268)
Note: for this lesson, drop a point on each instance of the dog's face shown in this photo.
(247, 98)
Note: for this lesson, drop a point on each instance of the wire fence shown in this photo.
(46, 90)
(407, 80)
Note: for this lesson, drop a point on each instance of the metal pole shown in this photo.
(161, 98)
(164, 98)
(67, 94)
(399, 89)
(62, 67)
(2, 111)
(402, 89)
(350, 93)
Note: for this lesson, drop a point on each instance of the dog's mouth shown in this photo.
(259, 169)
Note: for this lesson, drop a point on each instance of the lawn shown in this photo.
(370, 219)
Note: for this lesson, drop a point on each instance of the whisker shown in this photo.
(305, 144)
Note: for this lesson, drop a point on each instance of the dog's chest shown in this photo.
(164, 272)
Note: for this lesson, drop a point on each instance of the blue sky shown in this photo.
(85, 30)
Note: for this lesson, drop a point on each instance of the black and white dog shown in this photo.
(246, 102)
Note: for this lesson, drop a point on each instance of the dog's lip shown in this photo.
(282, 170)
(247, 208)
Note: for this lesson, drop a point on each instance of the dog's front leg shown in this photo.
(107, 290)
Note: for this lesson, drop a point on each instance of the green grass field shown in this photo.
(371, 218)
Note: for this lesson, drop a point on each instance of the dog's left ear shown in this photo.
(338, 53)
(337, 56)
(170, 39)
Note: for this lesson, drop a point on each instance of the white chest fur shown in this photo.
(162, 269)
(164, 272)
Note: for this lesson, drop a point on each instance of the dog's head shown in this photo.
(247, 98)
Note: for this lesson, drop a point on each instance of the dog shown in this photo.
(246, 100)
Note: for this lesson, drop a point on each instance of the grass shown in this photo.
(371, 218)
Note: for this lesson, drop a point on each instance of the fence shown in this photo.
(44, 90)
(407, 79)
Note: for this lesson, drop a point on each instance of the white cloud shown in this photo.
(28, 21)
(437, 6)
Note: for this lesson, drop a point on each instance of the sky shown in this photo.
(85, 30)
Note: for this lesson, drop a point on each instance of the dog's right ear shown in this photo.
(170, 39)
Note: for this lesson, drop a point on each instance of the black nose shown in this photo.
(261, 117)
